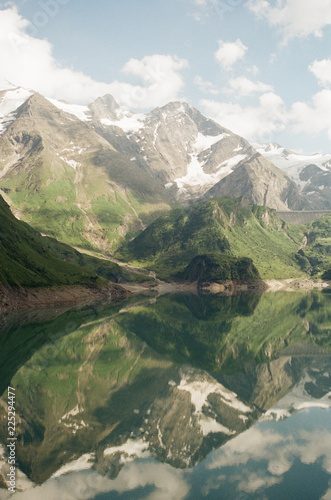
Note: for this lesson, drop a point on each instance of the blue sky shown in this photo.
(261, 68)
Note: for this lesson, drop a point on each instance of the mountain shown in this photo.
(312, 173)
(37, 271)
(193, 156)
(224, 227)
(25, 262)
(95, 176)
(68, 182)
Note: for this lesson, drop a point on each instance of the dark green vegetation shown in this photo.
(316, 256)
(219, 332)
(28, 259)
(220, 267)
(27, 262)
(77, 357)
(103, 267)
(224, 227)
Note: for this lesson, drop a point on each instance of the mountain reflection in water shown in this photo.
(180, 396)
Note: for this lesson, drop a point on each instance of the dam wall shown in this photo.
(302, 217)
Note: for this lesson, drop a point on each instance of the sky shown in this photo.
(261, 68)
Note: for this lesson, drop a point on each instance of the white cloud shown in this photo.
(205, 86)
(260, 122)
(252, 122)
(253, 69)
(253, 444)
(160, 75)
(322, 71)
(29, 62)
(229, 53)
(295, 18)
(165, 482)
(312, 118)
(243, 86)
(279, 451)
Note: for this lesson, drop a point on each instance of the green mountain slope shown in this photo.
(316, 255)
(222, 226)
(26, 260)
(68, 182)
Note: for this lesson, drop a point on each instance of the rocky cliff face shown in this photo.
(311, 173)
(194, 157)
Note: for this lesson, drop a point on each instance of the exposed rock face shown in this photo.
(194, 156)
(311, 173)
(261, 183)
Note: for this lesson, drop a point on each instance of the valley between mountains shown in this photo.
(86, 189)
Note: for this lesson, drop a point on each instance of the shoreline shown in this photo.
(228, 287)
(12, 298)
(34, 298)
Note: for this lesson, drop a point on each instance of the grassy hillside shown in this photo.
(222, 226)
(69, 183)
(220, 267)
(219, 332)
(26, 261)
(316, 255)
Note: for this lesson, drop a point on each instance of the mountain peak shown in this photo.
(105, 107)
(6, 85)
(175, 107)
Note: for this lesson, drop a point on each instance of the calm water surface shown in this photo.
(171, 397)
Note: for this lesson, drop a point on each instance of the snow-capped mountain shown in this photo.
(10, 100)
(313, 390)
(311, 173)
(191, 154)
(92, 174)
(62, 177)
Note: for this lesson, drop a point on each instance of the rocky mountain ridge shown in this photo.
(311, 173)
(95, 175)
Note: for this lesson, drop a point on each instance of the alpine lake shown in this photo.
(171, 397)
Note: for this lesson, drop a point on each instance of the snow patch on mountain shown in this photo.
(13, 99)
(201, 389)
(6, 85)
(129, 451)
(6, 121)
(79, 111)
(128, 122)
(209, 425)
(10, 101)
(293, 163)
(196, 176)
(72, 413)
(155, 133)
(204, 142)
(72, 163)
(296, 400)
(85, 462)
(227, 165)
